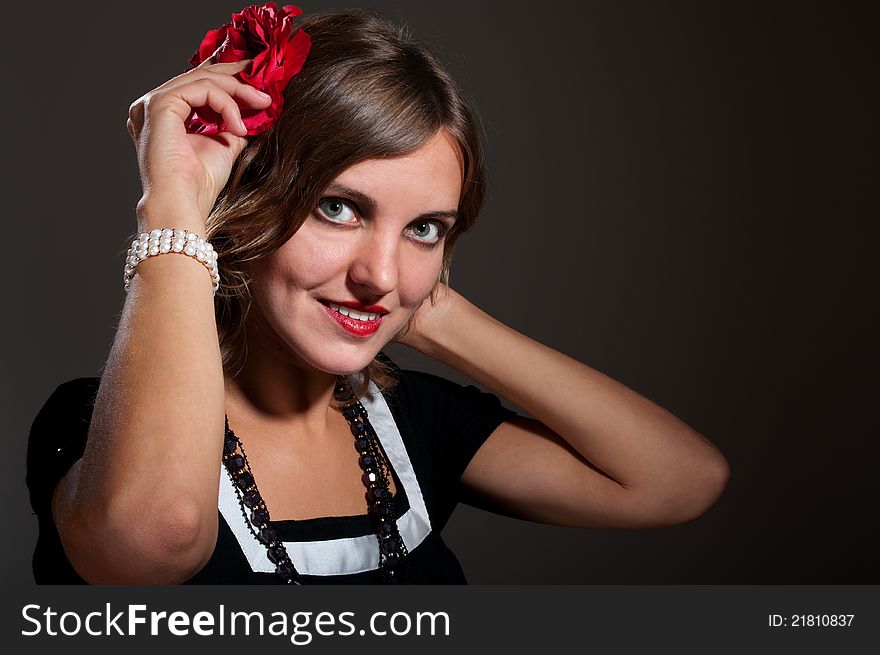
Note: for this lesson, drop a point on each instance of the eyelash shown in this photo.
(442, 229)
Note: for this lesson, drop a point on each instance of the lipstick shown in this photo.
(354, 304)
(355, 326)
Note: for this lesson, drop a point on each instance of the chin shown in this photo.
(341, 363)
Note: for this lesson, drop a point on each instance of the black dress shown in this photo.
(429, 427)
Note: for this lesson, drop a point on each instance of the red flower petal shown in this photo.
(297, 50)
(264, 35)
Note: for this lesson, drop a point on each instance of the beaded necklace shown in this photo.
(393, 562)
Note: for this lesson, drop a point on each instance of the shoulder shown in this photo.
(73, 399)
(69, 406)
(412, 385)
(444, 411)
(58, 435)
(71, 393)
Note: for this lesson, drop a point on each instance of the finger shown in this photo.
(135, 117)
(198, 72)
(202, 93)
(210, 60)
(207, 65)
(231, 67)
(242, 91)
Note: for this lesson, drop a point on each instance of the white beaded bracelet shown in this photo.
(159, 242)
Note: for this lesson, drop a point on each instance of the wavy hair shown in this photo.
(367, 90)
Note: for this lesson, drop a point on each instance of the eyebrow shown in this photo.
(368, 204)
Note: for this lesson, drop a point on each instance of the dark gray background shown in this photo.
(679, 198)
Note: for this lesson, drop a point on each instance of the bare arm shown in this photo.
(141, 504)
(598, 455)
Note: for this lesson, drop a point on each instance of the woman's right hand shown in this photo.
(185, 171)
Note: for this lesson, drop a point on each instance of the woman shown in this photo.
(335, 231)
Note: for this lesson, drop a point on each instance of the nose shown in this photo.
(375, 263)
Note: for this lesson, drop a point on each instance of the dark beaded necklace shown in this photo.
(393, 562)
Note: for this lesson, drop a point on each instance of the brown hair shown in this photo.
(367, 90)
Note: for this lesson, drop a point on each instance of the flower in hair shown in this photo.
(267, 35)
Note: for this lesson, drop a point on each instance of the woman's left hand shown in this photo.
(428, 319)
(597, 454)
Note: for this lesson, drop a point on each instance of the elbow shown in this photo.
(711, 483)
(699, 490)
(129, 543)
(179, 541)
(686, 497)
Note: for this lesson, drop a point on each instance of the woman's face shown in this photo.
(375, 242)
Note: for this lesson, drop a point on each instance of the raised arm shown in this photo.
(141, 504)
(598, 455)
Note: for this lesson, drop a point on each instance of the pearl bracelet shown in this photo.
(159, 242)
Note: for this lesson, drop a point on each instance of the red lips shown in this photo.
(354, 304)
(354, 326)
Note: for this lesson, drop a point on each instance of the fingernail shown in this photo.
(265, 95)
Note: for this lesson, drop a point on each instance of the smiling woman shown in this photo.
(368, 235)
(261, 434)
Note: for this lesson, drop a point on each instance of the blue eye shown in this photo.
(336, 210)
(429, 232)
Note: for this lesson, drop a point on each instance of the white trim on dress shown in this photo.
(348, 555)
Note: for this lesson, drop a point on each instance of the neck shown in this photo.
(276, 386)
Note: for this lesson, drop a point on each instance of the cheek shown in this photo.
(420, 279)
(305, 261)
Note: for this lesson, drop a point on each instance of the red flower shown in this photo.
(264, 35)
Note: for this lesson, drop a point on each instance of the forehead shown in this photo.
(429, 178)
